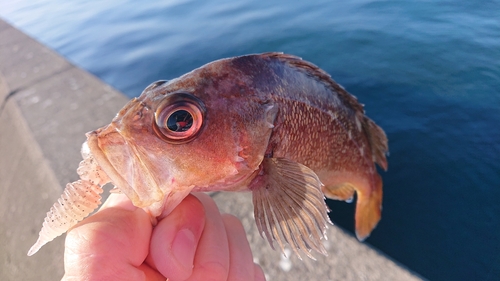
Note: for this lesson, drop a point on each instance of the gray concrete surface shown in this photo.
(28, 187)
(47, 105)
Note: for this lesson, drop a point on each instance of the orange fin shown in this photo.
(289, 206)
(343, 192)
(368, 209)
(368, 202)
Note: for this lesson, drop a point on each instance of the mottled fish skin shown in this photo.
(271, 123)
(323, 127)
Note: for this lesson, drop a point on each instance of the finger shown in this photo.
(241, 266)
(111, 244)
(175, 238)
(118, 200)
(212, 256)
(151, 274)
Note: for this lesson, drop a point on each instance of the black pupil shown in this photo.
(179, 121)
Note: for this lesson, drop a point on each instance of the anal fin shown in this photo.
(342, 192)
(368, 201)
(368, 209)
(289, 206)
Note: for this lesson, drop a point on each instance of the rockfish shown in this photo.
(272, 124)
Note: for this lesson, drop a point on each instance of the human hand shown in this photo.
(193, 242)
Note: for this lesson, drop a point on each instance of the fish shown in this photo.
(271, 124)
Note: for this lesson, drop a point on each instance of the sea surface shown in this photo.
(427, 71)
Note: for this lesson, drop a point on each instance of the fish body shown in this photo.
(272, 124)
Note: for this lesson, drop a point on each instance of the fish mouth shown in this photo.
(106, 166)
(126, 165)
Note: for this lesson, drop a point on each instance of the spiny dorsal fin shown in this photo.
(289, 206)
(376, 136)
(320, 75)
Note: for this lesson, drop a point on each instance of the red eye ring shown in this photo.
(179, 118)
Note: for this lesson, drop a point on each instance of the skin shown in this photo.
(193, 242)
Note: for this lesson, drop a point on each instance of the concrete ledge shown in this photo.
(44, 115)
(28, 186)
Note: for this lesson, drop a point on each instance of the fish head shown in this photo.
(204, 131)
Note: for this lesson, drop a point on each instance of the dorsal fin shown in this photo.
(376, 136)
(320, 75)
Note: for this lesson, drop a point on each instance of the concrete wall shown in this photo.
(47, 105)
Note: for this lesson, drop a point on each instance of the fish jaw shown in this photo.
(130, 167)
(119, 160)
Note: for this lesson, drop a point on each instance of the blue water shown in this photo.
(428, 72)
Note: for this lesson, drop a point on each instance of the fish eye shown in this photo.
(179, 118)
(180, 121)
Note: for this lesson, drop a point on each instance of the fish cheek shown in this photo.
(202, 163)
(255, 135)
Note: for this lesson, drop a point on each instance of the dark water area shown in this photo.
(427, 71)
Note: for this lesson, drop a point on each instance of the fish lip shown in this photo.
(106, 166)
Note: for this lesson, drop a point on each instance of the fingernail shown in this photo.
(183, 248)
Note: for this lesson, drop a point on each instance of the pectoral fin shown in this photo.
(289, 206)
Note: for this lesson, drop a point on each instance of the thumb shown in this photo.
(113, 241)
(175, 239)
